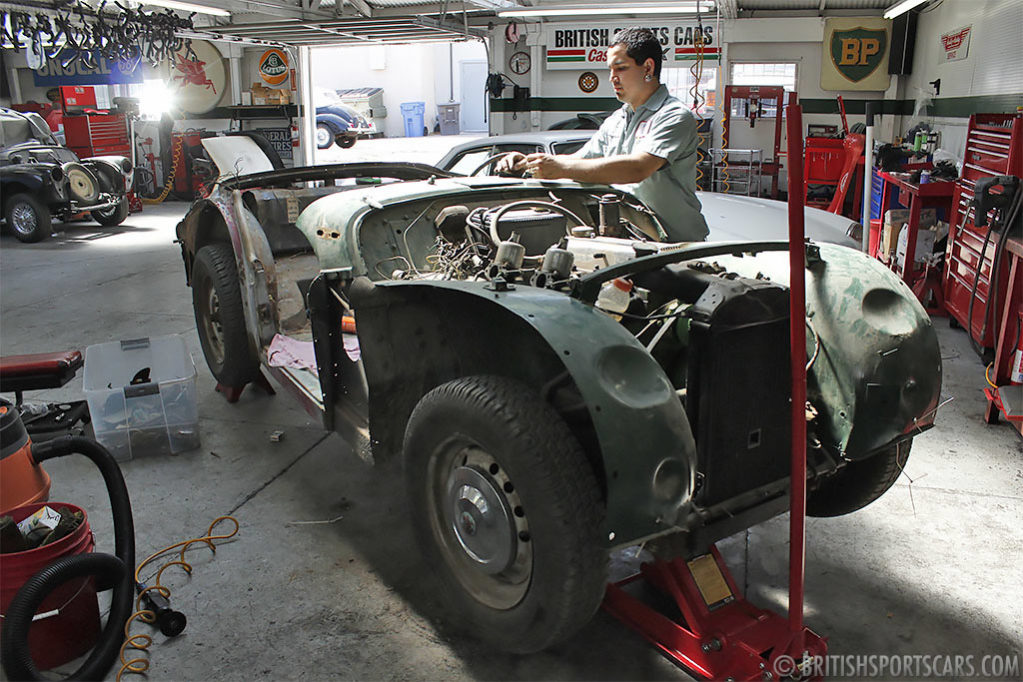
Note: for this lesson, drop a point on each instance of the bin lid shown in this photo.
(352, 93)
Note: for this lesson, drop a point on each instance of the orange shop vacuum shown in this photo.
(48, 594)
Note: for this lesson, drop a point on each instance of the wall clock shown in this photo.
(519, 63)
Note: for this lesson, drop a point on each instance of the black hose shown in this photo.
(112, 570)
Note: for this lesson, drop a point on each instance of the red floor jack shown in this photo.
(720, 635)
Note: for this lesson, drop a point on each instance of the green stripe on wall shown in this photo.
(951, 107)
(566, 59)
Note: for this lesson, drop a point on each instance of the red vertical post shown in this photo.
(797, 335)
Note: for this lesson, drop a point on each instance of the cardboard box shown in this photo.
(898, 216)
(924, 246)
(889, 240)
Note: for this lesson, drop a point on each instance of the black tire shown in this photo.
(346, 142)
(28, 218)
(539, 567)
(115, 215)
(324, 136)
(857, 484)
(219, 318)
(953, 323)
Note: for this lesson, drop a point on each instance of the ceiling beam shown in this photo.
(360, 6)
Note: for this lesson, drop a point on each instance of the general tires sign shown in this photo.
(855, 54)
(584, 46)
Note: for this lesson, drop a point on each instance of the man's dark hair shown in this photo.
(641, 45)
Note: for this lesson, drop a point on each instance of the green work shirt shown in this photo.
(664, 127)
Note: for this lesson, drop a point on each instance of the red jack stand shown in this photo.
(233, 392)
(720, 635)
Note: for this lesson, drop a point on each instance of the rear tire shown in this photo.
(28, 218)
(507, 511)
(219, 318)
(324, 136)
(115, 215)
(858, 483)
(346, 142)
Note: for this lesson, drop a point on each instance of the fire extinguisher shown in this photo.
(1016, 375)
(295, 140)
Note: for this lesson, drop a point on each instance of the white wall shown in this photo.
(994, 65)
(407, 73)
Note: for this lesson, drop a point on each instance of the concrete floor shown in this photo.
(932, 568)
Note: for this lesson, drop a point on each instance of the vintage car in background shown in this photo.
(337, 123)
(556, 382)
(40, 179)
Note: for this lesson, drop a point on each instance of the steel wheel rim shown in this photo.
(213, 326)
(488, 552)
(322, 136)
(24, 219)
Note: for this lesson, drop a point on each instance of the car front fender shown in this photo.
(415, 336)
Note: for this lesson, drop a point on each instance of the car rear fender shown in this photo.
(337, 124)
(624, 411)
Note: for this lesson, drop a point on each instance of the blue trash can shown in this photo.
(413, 112)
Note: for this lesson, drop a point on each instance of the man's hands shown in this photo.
(545, 166)
(511, 162)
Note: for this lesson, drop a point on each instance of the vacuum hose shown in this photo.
(113, 571)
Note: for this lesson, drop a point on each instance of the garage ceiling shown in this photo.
(362, 22)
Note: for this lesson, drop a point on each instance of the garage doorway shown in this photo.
(473, 117)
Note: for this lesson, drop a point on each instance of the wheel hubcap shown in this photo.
(481, 519)
(480, 524)
(322, 136)
(23, 219)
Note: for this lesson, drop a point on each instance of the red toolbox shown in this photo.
(994, 146)
(97, 134)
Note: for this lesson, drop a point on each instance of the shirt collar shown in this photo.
(655, 100)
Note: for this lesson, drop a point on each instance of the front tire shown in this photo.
(507, 511)
(324, 136)
(28, 218)
(859, 483)
(115, 215)
(219, 318)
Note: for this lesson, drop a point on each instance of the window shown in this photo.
(763, 74)
(766, 73)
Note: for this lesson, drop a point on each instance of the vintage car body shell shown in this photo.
(862, 313)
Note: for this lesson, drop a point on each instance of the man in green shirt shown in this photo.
(649, 145)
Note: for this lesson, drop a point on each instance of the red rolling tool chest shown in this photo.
(97, 134)
(994, 146)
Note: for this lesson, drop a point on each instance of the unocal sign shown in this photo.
(584, 46)
(51, 72)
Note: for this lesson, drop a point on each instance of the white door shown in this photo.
(472, 116)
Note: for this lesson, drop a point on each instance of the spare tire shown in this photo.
(81, 182)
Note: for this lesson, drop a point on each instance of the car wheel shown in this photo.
(217, 300)
(115, 215)
(859, 483)
(324, 136)
(28, 218)
(508, 512)
(346, 142)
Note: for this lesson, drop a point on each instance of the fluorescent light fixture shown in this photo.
(188, 7)
(901, 8)
(594, 10)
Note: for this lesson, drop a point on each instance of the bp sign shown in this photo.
(855, 54)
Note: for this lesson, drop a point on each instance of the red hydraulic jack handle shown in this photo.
(717, 634)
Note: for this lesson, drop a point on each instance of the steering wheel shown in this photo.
(492, 161)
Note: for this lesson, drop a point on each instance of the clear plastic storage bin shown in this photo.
(137, 412)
